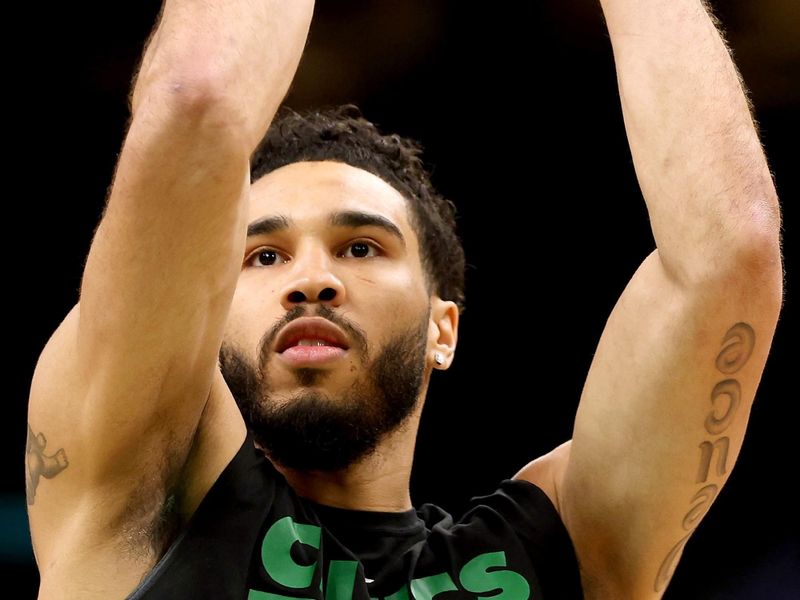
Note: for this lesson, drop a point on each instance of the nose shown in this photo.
(313, 280)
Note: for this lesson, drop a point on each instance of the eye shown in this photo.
(359, 249)
(265, 257)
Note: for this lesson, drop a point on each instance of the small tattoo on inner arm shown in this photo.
(707, 453)
(38, 464)
(737, 346)
(733, 390)
(669, 564)
(704, 498)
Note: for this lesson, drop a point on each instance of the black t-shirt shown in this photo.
(254, 538)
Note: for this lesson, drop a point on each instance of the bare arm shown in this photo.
(122, 383)
(697, 155)
(666, 401)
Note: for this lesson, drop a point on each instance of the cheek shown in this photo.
(249, 317)
(397, 306)
(397, 303)
(397, 280)
(237, 315)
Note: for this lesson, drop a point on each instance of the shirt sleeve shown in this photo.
(537, 524)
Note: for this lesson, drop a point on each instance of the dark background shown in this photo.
(519, 114)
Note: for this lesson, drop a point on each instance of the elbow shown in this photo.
(749, 248)
(759, 257)
(193, 93)
(750, 260)
(760, 239)
(751, 267)
(194, 96)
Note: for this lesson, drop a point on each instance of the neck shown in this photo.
(379, 482)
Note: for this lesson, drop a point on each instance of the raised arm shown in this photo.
(121, 385)
(697, 155)
(666, 401)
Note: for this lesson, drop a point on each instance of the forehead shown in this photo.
(308, 191)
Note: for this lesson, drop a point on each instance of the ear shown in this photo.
(442, 333)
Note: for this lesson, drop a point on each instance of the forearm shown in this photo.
(241, 54)
(697, 155)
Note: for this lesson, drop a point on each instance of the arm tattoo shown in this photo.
(707, 453)
(38, 464)
(737, 346)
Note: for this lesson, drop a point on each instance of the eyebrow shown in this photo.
(354, 219)
(349, 218)
(267, 225)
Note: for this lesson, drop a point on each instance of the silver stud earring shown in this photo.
(438, 358)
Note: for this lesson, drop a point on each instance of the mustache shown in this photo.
(357, 335)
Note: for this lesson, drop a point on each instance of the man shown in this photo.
(321, 297)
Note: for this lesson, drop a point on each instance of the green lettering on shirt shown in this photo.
(476, 577)
(256, 595)
(401, 594)
(276, 552)
(426, 588)
(485, 575)
(341, 579)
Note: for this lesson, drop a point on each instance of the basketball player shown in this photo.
(230, 409)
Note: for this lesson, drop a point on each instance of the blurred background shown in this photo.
(518, 110)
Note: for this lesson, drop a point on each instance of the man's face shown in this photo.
(328, 331)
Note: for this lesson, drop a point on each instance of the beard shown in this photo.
(312, 430)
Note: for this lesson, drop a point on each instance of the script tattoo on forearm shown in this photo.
(737, 346)
(38, 464)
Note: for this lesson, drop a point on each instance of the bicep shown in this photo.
(122, 383)
(661, 420)
(161, 271)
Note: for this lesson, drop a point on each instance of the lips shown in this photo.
(310, 332)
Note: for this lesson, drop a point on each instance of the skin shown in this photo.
(107, 538)
(128, 398)
(382, 294)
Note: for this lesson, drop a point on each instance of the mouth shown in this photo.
(311, 342)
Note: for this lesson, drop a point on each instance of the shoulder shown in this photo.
(547, 472)
(128, 525)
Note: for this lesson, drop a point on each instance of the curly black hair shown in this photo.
(342, 134)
